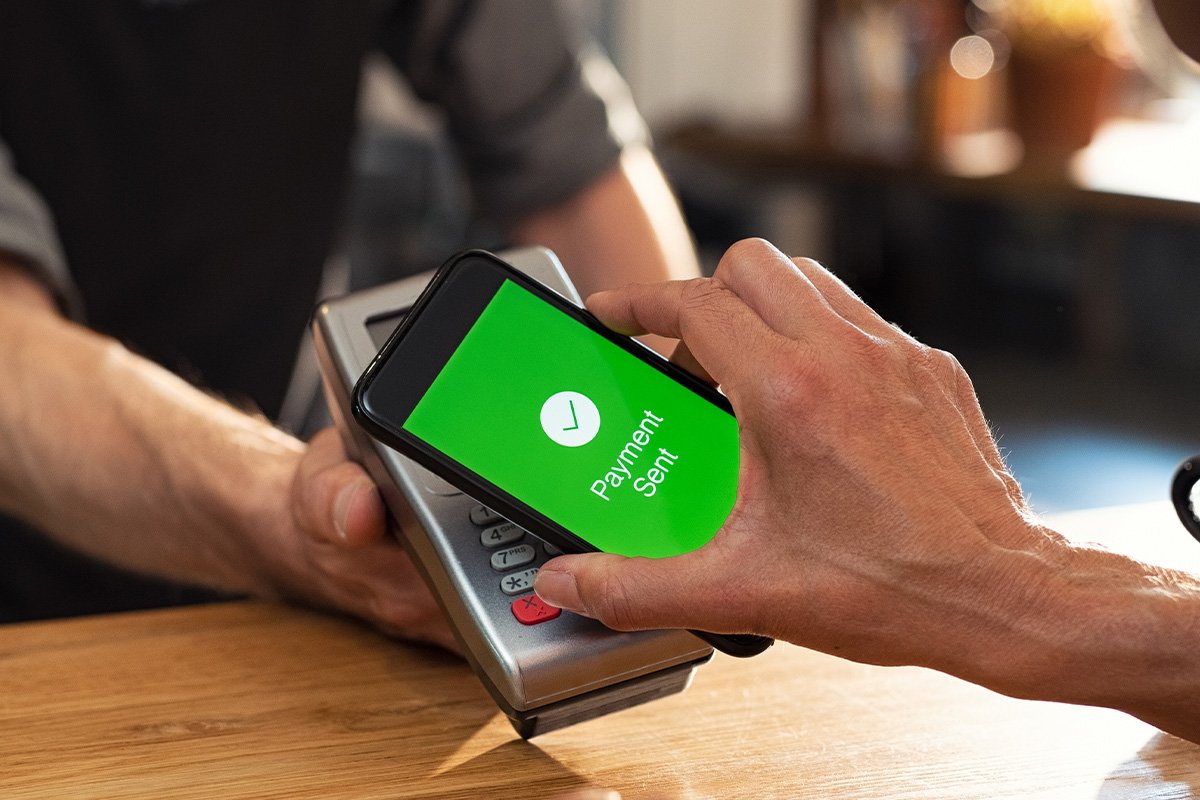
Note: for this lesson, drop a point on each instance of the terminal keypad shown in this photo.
(518, 582)
(483, 516)
(513, 557)
(510, 551)
(502, 534)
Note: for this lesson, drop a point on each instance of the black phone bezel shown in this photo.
(434, 339)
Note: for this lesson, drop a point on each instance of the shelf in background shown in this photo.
(1133, 168)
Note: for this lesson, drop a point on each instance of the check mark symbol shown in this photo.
(574, 419)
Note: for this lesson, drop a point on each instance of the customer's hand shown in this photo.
(875, 518)
(339, 553)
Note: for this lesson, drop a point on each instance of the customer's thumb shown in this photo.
(625, 594)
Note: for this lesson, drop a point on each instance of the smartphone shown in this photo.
(526, 402)
(545, 672)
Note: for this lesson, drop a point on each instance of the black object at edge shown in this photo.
(738, 645)
(1187, 476)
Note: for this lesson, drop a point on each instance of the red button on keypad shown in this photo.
(532, 609)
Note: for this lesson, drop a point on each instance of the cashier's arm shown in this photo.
(116, 457)
(622, 228)
(875, 518)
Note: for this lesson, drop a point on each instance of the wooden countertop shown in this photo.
(258, 700)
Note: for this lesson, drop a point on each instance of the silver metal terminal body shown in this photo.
(543, 676)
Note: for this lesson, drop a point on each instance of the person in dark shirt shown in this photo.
(172, 174)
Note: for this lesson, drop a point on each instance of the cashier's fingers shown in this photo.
(400, 605)
(333, 499)
(377, 583)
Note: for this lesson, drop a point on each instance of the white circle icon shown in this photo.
(570, 418)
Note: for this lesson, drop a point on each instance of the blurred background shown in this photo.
(1016, 181)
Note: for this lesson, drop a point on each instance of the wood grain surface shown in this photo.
(248, 700)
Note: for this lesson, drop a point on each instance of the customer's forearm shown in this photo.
(116, 457)
(1108, 631)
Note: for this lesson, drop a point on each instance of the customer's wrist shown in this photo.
(1008, 611)
(1092, 627)
(997, 629)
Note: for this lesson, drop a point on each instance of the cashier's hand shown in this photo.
(339, 554)
(872, 501)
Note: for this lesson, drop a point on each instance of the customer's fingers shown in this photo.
(844, 301)
(724, 335)
(776, 289)
(643, 308)
(629, 594)
(683, 358)
(956, 382)
(981, 431)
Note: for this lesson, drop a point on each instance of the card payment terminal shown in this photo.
(546, 670)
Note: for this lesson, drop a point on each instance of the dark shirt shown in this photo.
(177, 173)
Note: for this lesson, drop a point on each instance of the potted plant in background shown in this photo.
(1062, 77)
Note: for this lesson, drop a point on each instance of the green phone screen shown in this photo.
(575, 427)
